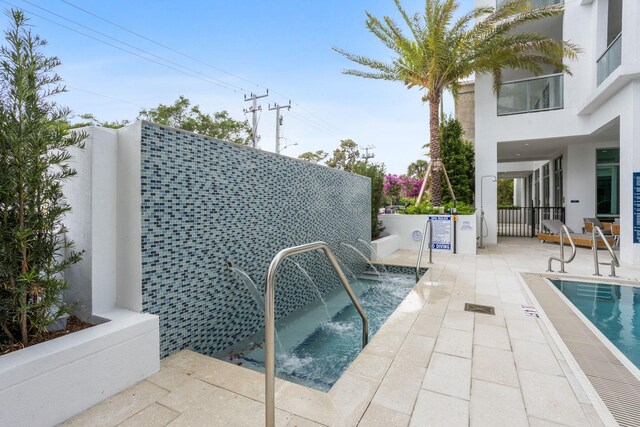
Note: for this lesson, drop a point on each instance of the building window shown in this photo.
(558, 196)
(608, 183)
(546, 186)
(530, 190)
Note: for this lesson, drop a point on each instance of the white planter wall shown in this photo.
(385, 246)
(404, 225)
(47, 383)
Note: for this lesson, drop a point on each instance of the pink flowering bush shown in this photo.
(397, 187)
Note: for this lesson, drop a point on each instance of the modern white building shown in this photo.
(570, 141)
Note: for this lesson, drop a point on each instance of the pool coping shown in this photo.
(347, 400)
(578, 372)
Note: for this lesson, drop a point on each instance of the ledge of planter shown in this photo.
(49, 382)
(385, 246)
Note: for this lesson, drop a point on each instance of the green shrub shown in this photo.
(376, 173)
(427, 209)
(34, 156)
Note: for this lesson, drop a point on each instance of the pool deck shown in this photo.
(431, 364)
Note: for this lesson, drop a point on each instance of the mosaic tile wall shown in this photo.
(206, 201)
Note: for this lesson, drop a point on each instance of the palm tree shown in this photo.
(440, 53)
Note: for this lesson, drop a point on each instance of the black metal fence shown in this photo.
(526, 221)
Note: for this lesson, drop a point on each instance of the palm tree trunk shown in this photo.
(434, 148)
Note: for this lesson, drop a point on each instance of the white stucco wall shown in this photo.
(129, 231)
(587, 108)
(92, 221)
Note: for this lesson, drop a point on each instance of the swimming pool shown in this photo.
(613, 309)
(316, 344)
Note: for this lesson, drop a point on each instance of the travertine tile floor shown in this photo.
(431, 364)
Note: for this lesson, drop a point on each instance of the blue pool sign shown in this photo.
(636, 207)
(442, 237)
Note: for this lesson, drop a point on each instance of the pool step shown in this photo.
(595, 291)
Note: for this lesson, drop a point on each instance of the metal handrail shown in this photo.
(564, 230)
(269, 316)
(608, 48)
(527, 79)
(594, 248)
(424, 236)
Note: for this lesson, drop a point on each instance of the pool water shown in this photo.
(316, 344)
(613, 309)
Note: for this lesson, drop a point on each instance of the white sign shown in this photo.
(442, 226)
(529, 310)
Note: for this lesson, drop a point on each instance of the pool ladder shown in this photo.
(428, 226)
(563, 231)
(596, 233)
(269, 317)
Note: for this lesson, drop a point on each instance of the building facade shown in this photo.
(569, 140)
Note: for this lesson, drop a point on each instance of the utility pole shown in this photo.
(254, 110)
(368, 155)
(278, 122)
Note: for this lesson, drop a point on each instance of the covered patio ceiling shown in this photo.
(544, 149)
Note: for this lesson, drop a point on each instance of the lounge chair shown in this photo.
(590, 222)
(580, 239)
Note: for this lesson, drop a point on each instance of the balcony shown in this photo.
(531, 95)
(610, 59)
(534, 3)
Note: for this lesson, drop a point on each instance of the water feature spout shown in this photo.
(373, 252)
(313, 285)
(356, 250)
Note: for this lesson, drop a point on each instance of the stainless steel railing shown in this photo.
(609, 60)
(428, 225)
(563, 231)
(594, 248)
(269, 317)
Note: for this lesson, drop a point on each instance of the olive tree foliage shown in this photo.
(442, 48)
(345, 157)
(314, 156)
(182, 115)
(34, 162)
(89, 119)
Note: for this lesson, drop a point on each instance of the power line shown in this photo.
(327, 128)
(118, 47)
(317, 117)
(220, 82)
(311, 123)
(162, 45)
(104, 96)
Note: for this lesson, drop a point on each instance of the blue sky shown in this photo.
(281, 45)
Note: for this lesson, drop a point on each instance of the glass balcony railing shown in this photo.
(529, 95)
(610, 59)
(534, 3)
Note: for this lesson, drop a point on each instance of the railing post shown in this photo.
(594, 249)
(269, 317)
(533, 221)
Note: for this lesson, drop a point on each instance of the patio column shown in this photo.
(629, 164)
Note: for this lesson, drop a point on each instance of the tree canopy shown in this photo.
(458, 157)
(314, 156)
(440, 52)
(182, 115)
(417, 169)
(346, 156)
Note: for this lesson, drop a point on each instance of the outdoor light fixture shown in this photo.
(482, 220)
